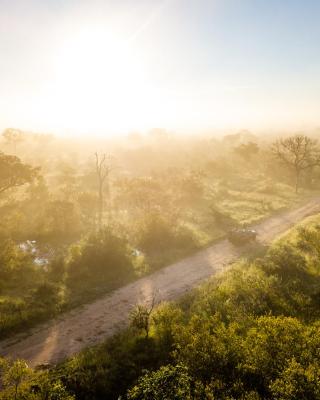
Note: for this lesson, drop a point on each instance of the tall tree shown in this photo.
(14, 173)
(13, 137)
(299, 153)
(103, 170)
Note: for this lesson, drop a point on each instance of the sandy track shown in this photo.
(92, 323)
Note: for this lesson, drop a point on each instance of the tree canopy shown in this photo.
(15, 173)
(299, 153)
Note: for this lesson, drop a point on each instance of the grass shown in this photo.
(291, 235)
(252, 202)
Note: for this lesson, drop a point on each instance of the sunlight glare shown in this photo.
(99, 83)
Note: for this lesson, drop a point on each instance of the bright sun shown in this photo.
(99, 81)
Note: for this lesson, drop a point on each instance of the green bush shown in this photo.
(47, 296)
(169, 382)
(103, 259)
(157, 234)
(251, 333)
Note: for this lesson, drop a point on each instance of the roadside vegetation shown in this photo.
(77, 223)
(252, 332)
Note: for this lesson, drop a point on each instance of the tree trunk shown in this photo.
(297, 180)
(102, 169)
(16, 391)
(108, 200)
(100, 207)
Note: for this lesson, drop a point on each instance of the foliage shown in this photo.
(103, 259)
(140, 318)
(169, 382)
(247, 150)
(14, 173)
(156, 212)
(35, 298)
(251, 333)
(18, 381)
(157, 234)
(300, 153)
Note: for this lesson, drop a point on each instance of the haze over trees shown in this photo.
(103, 170)
(299, 153)
(14, 173)
(168, 197)
(13, 137)
(146, 145)
(247, 150)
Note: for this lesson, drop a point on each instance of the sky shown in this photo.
(76, 67)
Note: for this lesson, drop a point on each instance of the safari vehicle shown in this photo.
(242, 236)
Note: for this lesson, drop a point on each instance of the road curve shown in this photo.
(90, 324)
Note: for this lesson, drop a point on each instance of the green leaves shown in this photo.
(14, 173)
(103, 259)
(251, 333)
(297, 382)
(18, 382)
(168, 383)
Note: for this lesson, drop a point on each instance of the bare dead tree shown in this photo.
(103, 170)
(140, 316)
(299, 153)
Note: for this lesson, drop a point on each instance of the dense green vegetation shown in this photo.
(251, 333)
(73, 227)
(18, 381)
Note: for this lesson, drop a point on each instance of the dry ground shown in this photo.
(92, 323)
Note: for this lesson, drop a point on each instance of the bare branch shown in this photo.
(298, 153)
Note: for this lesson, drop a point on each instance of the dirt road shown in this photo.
(92, 323)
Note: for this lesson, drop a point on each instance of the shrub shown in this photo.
(103, 258)
(157, 234)
(47, 297)
(169, 382)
